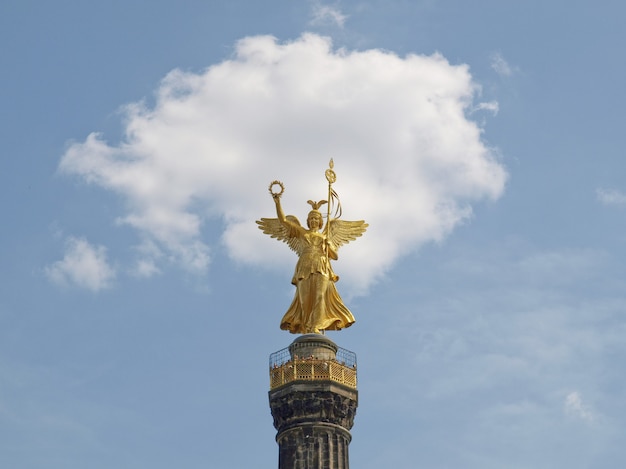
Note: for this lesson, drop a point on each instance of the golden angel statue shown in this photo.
(316, 306)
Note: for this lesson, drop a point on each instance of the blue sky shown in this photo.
(481, 140)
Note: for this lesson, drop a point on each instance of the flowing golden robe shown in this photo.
(316, 305)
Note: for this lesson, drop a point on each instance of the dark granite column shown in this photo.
(313, 399)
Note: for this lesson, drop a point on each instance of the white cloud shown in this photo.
(491, 106)
(327, 14)
(407, 158)
(611, 196)
(500, 65)
(574, 407)
(148, 256)
(83, 265)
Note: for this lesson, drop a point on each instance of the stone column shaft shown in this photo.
(313, 417)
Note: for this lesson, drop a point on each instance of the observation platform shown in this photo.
(313, 357)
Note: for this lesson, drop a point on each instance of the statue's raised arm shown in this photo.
(316, 306)
(284, 228)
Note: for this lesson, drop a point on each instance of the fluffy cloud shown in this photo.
(500, 65)
(491, 106)
(407, 157)
(574, 407)
(611, 197)
(84, 266)
(327, 14)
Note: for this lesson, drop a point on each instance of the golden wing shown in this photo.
(288, 233)
(341, 232)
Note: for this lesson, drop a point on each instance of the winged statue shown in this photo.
(316, 306)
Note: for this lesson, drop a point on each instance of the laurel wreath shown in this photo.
(276, 183)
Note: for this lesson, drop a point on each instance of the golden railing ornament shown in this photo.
(287, 366)
(310, 369)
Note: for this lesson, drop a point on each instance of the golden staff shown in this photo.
(331, 177)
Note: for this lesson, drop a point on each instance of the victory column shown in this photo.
(313, 388)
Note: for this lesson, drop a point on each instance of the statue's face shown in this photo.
(314, 221)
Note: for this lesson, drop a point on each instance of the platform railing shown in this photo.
(285, 369)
